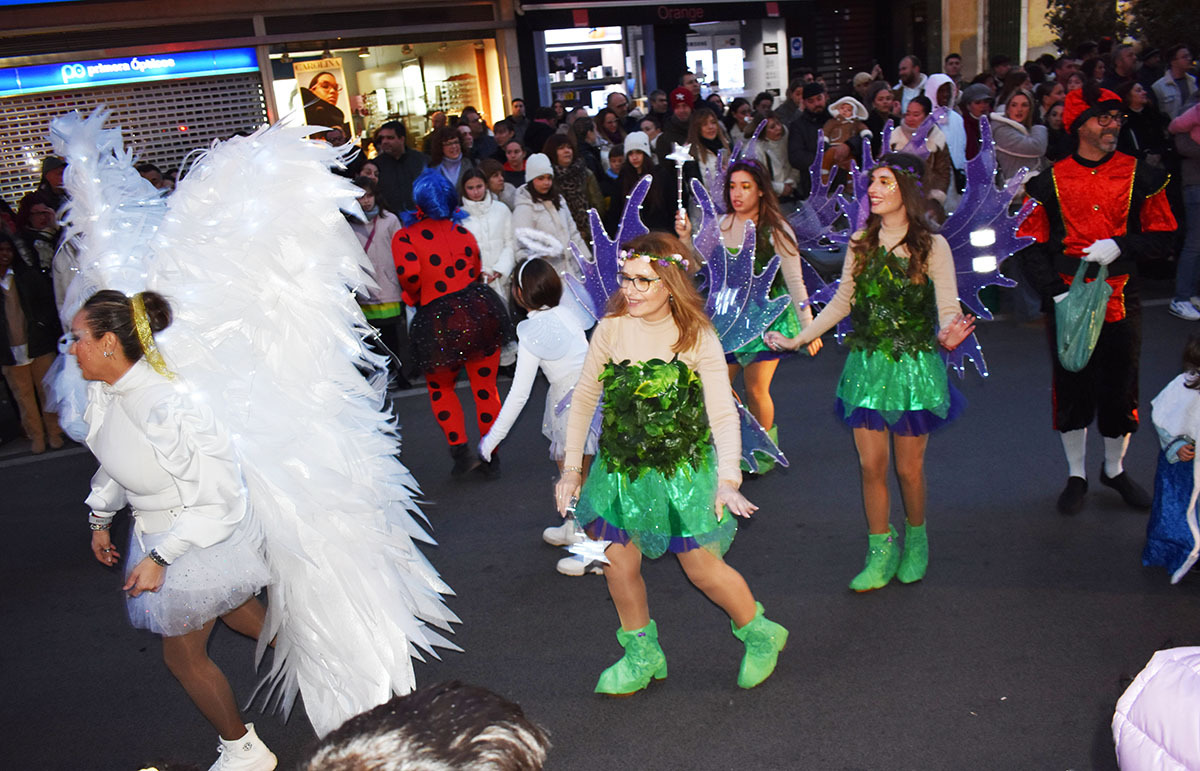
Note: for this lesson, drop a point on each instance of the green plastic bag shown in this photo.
(1079, 317)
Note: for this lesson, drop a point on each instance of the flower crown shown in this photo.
(905, 170)
(662, 259)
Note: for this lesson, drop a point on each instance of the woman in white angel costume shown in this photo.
(230, 411)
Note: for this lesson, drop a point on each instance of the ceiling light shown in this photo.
(364, 52)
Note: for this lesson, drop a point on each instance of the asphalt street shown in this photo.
(1009, 655)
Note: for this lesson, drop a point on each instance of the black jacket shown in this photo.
(396, 177)
(42, 331)
(802, 144)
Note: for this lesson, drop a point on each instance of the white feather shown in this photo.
(258, 263)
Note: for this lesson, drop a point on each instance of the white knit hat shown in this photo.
(537, 165)
(637, 140)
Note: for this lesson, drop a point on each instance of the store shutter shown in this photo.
(163, 121)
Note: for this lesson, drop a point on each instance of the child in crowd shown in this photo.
(1173, 536)
(848, 121)
(551, 339)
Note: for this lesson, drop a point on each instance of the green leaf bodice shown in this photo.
(654, 416)
(891, 314)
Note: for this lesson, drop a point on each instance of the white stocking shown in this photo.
(1114, 453)
(1075, 446)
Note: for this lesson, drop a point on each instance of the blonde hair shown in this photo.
(687, 306)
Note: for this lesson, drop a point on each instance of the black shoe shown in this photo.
(491, 468)
(465, 459)
(1131, 492)
(1070, 501)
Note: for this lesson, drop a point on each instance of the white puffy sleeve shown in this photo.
(197, 453)
(106, 499)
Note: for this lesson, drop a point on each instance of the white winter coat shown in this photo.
(1156, 726)
(556, 223)
(491, 223)
(776, 153)
(951, 122)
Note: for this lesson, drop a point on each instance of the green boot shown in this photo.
(643, 659)
(883, 555)
(916, 554)
(764, 639)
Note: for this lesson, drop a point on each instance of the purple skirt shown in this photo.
(908, 423)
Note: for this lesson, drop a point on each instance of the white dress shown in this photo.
(553, 341)
(165, 457)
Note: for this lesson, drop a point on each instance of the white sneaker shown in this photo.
(1184, 309)
(564, 535)
(245, 754)
(574, 565)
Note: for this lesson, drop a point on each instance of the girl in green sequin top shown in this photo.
(666, 476)
(749, 197)
(893, 389)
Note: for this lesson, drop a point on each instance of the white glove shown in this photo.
(485, 450)
(1103, 251)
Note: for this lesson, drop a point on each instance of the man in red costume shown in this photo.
(1105, 208)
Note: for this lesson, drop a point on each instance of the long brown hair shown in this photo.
(918, 241)
(699, 118)
(770, 219)
(687, 307)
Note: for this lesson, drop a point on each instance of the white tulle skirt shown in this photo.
(554, 421)
(200, 585)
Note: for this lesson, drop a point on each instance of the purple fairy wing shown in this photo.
(599, 280)
(980, 232)
(967, 349)
(813, 220)
(755, 437)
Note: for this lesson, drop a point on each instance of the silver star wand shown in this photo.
(681, 155)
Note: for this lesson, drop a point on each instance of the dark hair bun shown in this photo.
(158, 311)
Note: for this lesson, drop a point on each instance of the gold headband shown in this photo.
(146, 337)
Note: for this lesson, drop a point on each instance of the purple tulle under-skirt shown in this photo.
(601, 530)
(455, 328)
(906, 423)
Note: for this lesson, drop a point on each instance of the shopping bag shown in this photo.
(1079, 317)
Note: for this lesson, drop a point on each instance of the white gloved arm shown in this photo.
(1103, 251)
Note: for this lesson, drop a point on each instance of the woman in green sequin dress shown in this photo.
(893, 389)
(666, 476)
(749, 197)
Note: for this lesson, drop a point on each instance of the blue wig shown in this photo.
(435, 198)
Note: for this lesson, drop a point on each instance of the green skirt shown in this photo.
(657, 513)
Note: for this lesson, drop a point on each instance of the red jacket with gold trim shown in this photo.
(1080, 202)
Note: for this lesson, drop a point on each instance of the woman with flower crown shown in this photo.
(666, 476)
(750, 197)
(897, 283)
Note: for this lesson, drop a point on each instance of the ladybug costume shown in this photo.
(459, 322)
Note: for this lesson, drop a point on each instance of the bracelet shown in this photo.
(100, 526)
(158, 560)
(576, 469)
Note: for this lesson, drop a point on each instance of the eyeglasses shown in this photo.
(1106, 118)
(640, 283)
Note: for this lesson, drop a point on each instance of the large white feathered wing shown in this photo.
(260, 264)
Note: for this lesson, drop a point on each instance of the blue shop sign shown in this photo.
(135, 69)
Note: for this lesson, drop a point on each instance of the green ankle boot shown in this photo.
(764, 639)
(883, 556)
(916, 554)
(643, 660)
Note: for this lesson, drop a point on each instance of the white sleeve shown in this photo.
(106, 498)
(198, 455)
(514, 402)
(507, 257)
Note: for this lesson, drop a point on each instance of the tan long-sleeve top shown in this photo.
(620, 338)
(939, 268)
(792, 271)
